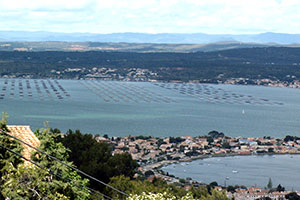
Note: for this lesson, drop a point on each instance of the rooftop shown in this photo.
(25, 134)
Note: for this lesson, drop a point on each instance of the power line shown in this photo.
(78, 170)
(70, 166)
(58, 175)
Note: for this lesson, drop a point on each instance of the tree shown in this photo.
(149, 173)
(216, 134)
(3, 121)
(210, 140)
(122, 164)
(231, 189)
(105, 136)
(176, 140)
(289, 138)
(96, 159)
(226, 145)
(265, 198)
(31, 182)
(213, 184)
(8, 161)
(292, 196)
(280, 188)
(122, 183)
(270, 184)
(7, 158)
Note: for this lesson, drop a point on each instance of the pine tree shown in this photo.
(270, 184)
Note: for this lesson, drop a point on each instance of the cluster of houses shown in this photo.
(150, 150)
(103, 73)
(293, 83)
(253, 193)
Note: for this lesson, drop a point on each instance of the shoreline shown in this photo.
(279, 84)
(160, 164)
(157, 167)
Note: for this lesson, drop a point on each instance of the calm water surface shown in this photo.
(243, 170)
(132, 108)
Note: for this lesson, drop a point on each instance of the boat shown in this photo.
(235, 171)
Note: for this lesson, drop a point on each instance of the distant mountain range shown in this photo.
(173, 38)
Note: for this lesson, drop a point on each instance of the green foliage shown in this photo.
(290, 138)
(210, 140)
(231, 189)
(96, 159)
(213, 184)
(7, 159)
(280, 188)
(158, 196)
(159, 186)
(122, 183)
(3, 121)
(122, 164)
(27, 181)
(226, 145)
(51, 145)
(216, 134)
(176, 140)
(142, 137)
(149, 173)
(30, 182)
(270, 184)
(292, 196)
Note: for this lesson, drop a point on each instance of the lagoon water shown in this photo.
(159, 109)
(243, 170)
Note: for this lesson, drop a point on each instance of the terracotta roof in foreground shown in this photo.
(25, 134)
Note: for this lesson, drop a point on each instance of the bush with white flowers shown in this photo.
(159, 196)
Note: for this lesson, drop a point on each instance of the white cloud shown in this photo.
(212, 16)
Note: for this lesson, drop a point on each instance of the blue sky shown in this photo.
(152, 16)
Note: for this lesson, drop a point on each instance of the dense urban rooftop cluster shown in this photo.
(149, 150)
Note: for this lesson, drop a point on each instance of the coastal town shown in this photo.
(139, 74)
(148, 150)
(103, 73)
(153, 153)
(142, 75)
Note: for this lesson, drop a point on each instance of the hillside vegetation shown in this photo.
(275, 63)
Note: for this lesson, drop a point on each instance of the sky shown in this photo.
(152, 16)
